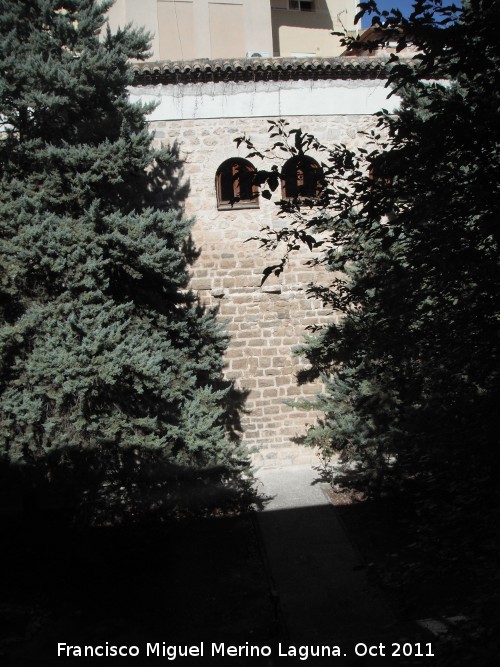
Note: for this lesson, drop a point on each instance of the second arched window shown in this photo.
(301, 178)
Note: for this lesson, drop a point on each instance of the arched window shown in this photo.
(301, 178)
(234, 185)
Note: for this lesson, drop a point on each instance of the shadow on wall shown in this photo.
(168, 186)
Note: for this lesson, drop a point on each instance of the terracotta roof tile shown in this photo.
(259, 69)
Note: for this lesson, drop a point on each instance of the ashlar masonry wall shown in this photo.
(265, 322)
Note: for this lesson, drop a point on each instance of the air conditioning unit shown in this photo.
(257, 54)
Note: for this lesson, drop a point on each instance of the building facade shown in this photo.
(220, 69)
(193, 29)
(202, 106)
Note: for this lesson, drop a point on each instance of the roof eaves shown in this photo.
(256, 69)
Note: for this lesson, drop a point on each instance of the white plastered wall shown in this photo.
(265, 99)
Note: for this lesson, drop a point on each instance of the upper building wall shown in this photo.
(191, 29)
(304, 28)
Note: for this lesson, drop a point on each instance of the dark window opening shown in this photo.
(234, 185)
(301, 178)
(302, 5)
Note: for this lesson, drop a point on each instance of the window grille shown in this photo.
(301, 178)
(234, 185)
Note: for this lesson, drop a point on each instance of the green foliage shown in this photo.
(104, 352)
(408, 228)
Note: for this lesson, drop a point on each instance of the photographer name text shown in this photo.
(246, 650)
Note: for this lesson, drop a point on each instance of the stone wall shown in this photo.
(265, 323)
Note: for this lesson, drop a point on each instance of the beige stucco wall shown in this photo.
(265, 323)
(310, 33)
(143, 13)
(190, 29)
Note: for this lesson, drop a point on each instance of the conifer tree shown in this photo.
(107, 360)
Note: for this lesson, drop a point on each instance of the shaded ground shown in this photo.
(293, 574)
(433, 579)
(288, 575)
(382, 532)
(185, 582)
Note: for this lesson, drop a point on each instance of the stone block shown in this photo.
(265, 322)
